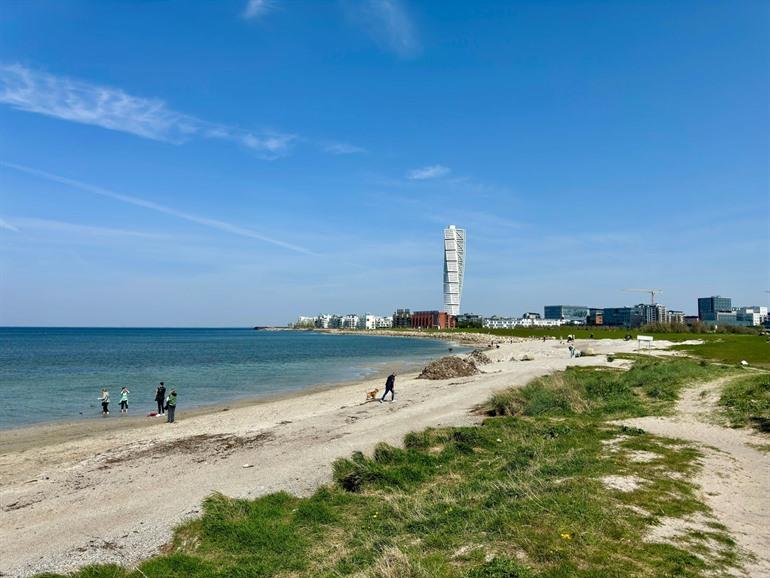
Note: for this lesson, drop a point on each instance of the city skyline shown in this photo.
(213, 164)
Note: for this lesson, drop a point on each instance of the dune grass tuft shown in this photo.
(746, 402)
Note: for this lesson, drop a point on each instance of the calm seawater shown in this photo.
(57, 374)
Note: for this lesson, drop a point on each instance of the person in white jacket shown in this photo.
(105, 401)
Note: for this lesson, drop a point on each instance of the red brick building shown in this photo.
(432, 320)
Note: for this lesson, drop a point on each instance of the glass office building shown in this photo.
(708, 307)
(576, 314)
(622, 316)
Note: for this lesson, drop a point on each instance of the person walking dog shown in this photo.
(390, 384)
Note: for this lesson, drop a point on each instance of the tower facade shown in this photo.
(454, 268)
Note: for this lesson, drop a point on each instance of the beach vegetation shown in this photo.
(745, 401)
(649, 387)
(547, 486)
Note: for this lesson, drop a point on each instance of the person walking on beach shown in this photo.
(171, 406)
(124, 400)
(390, 384)
(105, 400)
(160, 397)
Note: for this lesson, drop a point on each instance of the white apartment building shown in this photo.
(324, 321)
(676, 317)
(454, 268)
(496, 322)
(384, 322)
(349, 321)
(655, 313)
(367, 321)
(531, 322)
(752, 315)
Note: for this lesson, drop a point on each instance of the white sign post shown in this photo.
(643, 339)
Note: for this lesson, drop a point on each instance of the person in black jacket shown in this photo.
(390, 383)
(160, 397)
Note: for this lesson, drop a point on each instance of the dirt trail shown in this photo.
(735, 478)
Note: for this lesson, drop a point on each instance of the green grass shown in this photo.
(746, 402)
(723, 347)
(755, 349)
(649, 387)
(519, 496)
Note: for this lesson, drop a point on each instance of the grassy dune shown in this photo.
(746, 402)
(520, 496)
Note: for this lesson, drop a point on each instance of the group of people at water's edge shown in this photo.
(166, 403)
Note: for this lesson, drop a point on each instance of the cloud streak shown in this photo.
(23, 224)
(8, 226)
(256, 8)
(60, 97)
(388, 22)
(429, 172)
(341, 148)
(153, 206)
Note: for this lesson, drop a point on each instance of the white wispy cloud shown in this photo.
(77, 101)
(429, 172)
(153, 206)
(8, 226)
(341, 148)
(24, 223)
(256, 8)
(388, 22)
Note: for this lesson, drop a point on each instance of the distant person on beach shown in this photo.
(105, 400)
(571, 351)
(124, 399)
(390, 384)
(160, 397)
(171, 406)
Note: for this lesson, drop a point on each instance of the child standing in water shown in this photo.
(105, 400)
(124, 400)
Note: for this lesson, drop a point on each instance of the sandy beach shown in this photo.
(113, 490)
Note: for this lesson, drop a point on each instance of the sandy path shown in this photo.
(735, 477)
(115, 495)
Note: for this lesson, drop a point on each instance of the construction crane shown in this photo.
(652, 293)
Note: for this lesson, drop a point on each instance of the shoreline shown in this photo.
(149, 478)
(33, 435)
(136, 420)
(462, 338)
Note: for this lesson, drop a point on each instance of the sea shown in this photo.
(56, 374)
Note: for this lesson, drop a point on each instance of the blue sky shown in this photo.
(240, 162)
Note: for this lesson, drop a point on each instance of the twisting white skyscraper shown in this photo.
(454, 267)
